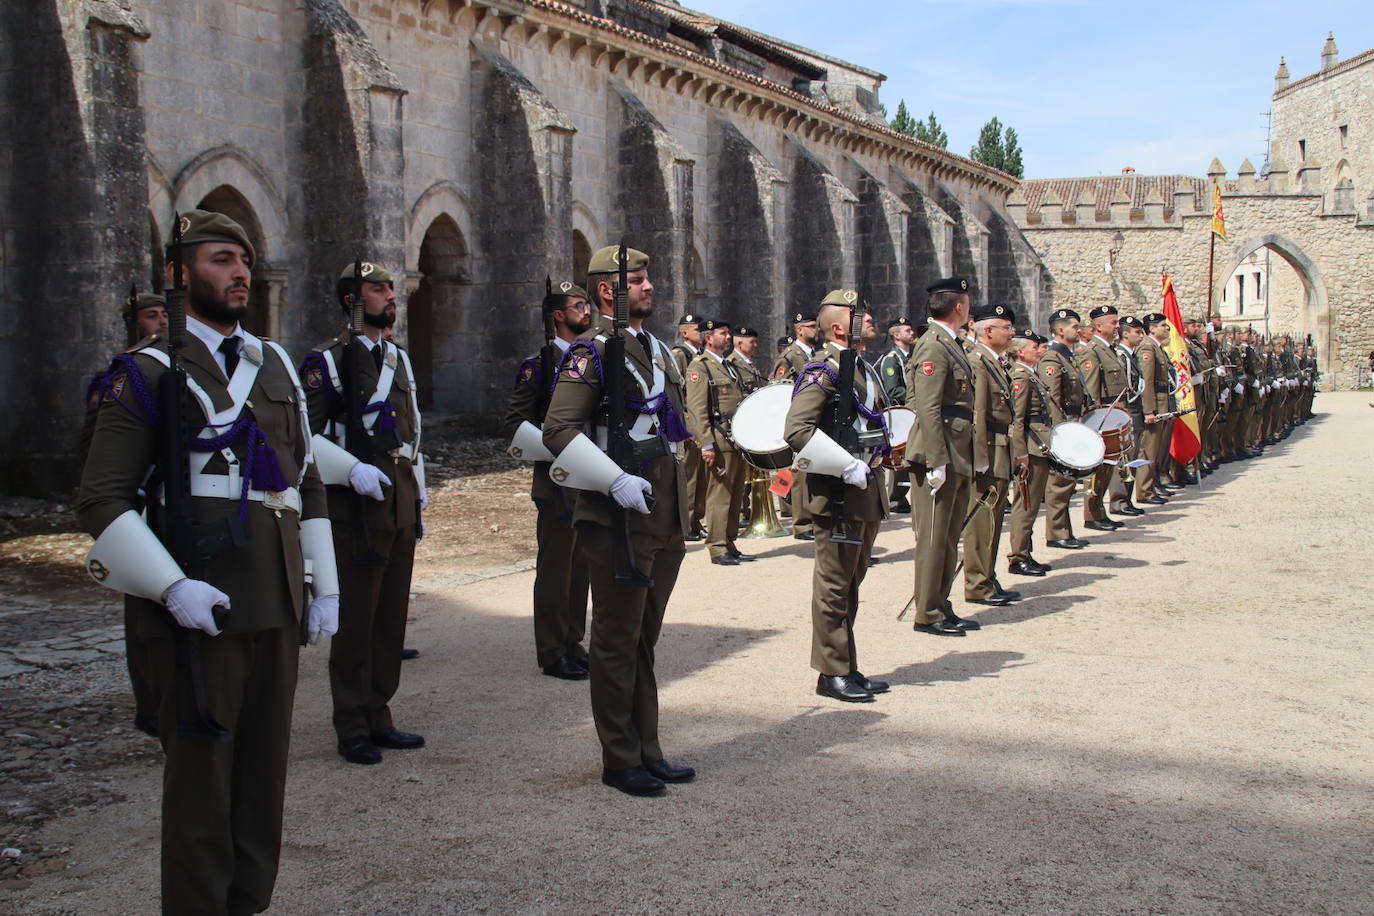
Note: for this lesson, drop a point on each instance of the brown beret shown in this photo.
(607, 260)
(198, 226)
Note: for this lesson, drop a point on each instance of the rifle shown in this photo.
(548, 355)
(619, 445)
(842, 429)
(176, 523)
(131, 323)
(356, 439)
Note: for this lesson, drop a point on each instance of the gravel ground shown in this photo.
(1175, 720)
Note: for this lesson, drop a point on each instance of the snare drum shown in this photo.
(1114, 424)
(899, 422)
(1076, 450)
(758, 425)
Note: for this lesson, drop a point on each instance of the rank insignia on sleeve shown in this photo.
(526, 373)
(313, 378)
(694, 376)
(577, 366)
(927, 368)
(1087, 364)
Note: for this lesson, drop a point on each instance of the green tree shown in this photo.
(999, 151)
(903, 122)
(930, 131)
(1012, 149)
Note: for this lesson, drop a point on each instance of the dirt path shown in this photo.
(1176, 720)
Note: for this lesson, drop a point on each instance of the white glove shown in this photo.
(629, 491)
(1197, 379)
(856, 475)
(981, 469)
(367, 480)
(1240, 388)
(322, 618)
(1225, 395)
(1220, 370)
(190, 602)
(935, 479)
(424, 498)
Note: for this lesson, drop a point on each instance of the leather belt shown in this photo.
(999, 427)
(958, 413)
(220, 486)
(1040, 418)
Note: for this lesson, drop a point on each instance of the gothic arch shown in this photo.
(232, 167)
(1317, 308)
(441, 199)
(584, 222)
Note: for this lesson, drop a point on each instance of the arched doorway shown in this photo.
(225, 199)
(1275, 288)
(434, 315)
(581, 257)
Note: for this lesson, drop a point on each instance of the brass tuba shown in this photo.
(763, 514)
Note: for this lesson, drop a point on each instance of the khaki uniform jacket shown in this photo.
(1030, 411)
(791, 362)
(892, 373)
(940, 391)
(710, 384)
(574, 409)
(264, 578)
(328, 412)
(1204, 391)
(1104, 375)
(1060, 379)
(750, 378)
(1154, 374)
(524, 405)
(684, 353)
(992, 415)
(808, 410)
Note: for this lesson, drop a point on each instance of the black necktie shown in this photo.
(644, 342)
(230, 348)
(377, 357)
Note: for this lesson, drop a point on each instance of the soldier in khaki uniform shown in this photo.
(1104, 379)
(222, 795)
(560, 578)
(940, 453)
(1063, 387)
(830, 465)
(892, 373)
(1132, 333)
(627, 524)
(993, 326)
(714, 391)
(375, 502)
(1030, 439)
(688, 348)
(741, 359)
(1154, 379)
(789, 365)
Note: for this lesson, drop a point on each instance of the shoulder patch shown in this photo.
(694, 376)
(1051, 369)
(927, 368)
(1087, 364)
(526, 373)
(891, 369)
(577, 367)
(314, 378)
(782, 370)
(1145, 355)
(1015, 386)
(116, 386)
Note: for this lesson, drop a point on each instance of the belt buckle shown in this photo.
(274, 499)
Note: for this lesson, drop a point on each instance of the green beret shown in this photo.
(607, 260)
(199, 226)
(845, 297)
(567, 288)
(948, 285)
(131, 305)
(373, 273)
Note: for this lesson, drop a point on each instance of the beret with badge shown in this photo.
(844, 297)
(200, 226)
(607, 260)
(1101, 311)
(803, 315)
(986, 312)
(743, 331)
(784, 341)
(711, 324)
(1063, 315)
(372, 273)
(1152, 319)
(1028, 334)
(692, 319)
(1130, 321)
(132, 305)
(560, 292)
(948, 285)
(899, 321)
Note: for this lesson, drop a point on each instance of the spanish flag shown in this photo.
(1218, 218)
(1186, 442)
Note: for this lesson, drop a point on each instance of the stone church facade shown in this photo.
(1311, 207)
(473, 147)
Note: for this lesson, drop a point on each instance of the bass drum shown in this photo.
(1076, 450)
(1118, 433)
(899, 421)
(758, 424)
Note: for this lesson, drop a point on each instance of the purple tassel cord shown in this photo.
(871, 414)
(261, 471)
(660, 405)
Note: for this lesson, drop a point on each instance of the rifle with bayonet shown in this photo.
(619, 445)
(175, 518)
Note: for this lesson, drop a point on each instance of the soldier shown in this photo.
(741, 358)
(1154, 395)
(630, 528)
(560, 579)
(993, 326)
(1085, 336)
(376, 512)
(1030, 437)
(1203, 380)
(688, 348)
(714, 392)
(1132, 333)
(940, 453)
(840, 564)
(789, 365)
(1104, 380)
(224, 775)
(892, 373)
(1063, 387)
(783, 343)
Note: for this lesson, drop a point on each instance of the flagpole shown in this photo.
(1211, 260)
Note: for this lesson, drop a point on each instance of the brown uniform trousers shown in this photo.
(840, 568)
(626, 619)
(713, 394)
(374, 543)
(221, 802)
(992, 416)
(1030, 412)
(940, 391)
(560, 580)
(1154, 439)
(1063, 389)
(694, 465)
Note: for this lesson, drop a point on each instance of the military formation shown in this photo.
(248, 504)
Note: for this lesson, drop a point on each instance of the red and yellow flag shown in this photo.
(1186, 442)
(1218, 218)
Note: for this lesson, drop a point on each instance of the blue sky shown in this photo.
(1089, 86)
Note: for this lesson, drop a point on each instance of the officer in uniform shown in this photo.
(789, 365)
(1030, 439)
(560, 578)
(714, 392)
(741, 359)
(1132, 333)
(1154, 395)
(688, 348)
(1104, 380)
(1063, 386)
(840, 567)
(940, 453)
(259, 513)
(375, 505)
(892, 373)
(1204, 391)
(993, 326)
(627, 524)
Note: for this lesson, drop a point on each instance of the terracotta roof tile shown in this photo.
(1102, 189)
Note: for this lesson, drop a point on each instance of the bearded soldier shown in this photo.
(1104, 380)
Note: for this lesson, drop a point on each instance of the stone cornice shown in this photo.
(1350, 63)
